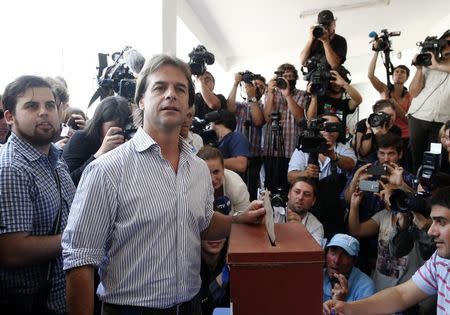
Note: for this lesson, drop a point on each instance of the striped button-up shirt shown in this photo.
(29, 202)
(255, 132)
(289, 125)
(140, 222)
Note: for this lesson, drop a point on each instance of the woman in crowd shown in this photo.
(103, 133)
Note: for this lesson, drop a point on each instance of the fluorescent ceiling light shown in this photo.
(343, 7)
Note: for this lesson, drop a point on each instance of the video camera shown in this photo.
(311, 140)
(249, 77)
(430, 44)
(378, 119)
(402, 201)
(384, 44)
(202, 127)
(318, 75)
(117, 78)
(199, 57)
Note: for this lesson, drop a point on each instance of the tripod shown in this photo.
(276, 164)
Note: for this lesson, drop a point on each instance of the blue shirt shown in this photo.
(29, 202)
(140, 222)
(234, 144)
(360, 286)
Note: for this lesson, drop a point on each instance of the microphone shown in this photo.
(373, 35)
(222, 204)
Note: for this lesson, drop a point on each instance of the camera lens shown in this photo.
(281, 84)
(318, 31)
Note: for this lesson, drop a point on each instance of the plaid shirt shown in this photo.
(256, 132)
(289, 128)
(29, 202)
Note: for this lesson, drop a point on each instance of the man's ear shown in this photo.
(9, 118)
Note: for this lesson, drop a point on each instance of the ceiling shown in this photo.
(252, 33)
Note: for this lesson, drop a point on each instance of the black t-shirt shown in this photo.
(331, 105)
(338, 43)
(201, 108)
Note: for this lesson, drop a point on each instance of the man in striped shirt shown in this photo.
(141, 210)
(431, 279)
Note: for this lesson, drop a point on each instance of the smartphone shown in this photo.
(377, 170)
(369, 185)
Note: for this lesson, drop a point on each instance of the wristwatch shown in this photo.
(252, 99)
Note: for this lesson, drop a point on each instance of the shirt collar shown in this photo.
(33, 154)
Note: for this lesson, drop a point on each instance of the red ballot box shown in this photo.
(282, 279)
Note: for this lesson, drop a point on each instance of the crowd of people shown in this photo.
(129, 211)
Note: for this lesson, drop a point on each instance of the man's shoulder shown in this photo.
(339, 38)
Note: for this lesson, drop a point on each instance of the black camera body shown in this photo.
(378, 119)
(433, 45)
(199, 57)
(249, 77)
(319, 30)
(431, 164)
(318, 75)
(310, 139)
(384, 43)
(280, 82)
(202, 127)
(275, 118)
(403, 202)
(277, 198)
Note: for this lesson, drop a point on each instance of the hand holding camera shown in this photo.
(113, 138)
(337, 79)
(312, 171)
(237, 78)
(356, 200)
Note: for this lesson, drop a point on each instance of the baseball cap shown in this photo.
(325, 17)
(346, 242)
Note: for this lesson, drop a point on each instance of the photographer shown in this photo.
(369, 130)
(206, 101)
(249, 120)
(193, 139)
(338, 155)
(234, 146)
(301, 198)
(430, 90)
(288, 102)
(333, 102)
(103, 133)
(328, 46)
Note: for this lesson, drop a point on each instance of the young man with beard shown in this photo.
(431, 279)
(35, 195)
(301, 199)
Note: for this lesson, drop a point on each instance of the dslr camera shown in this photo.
(433, 45)
(384, 43)
(249, 77)
(202, 127)
(280, 82)
(319, 30)
(199, 57)
(378, 119)
(310, 139)
(318, 75)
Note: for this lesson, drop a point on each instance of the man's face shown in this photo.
(212, 247)
(301, 197)
(339, 261)
(260, 86)
(331, 28)
(440, 230)
(187, 123)
(217, 172)
(388, 155)
(166, 98)
(400, 75)
(36, 119)
(446, 140)
(289, 75)
(331, 137)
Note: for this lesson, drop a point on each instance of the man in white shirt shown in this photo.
(301, 199)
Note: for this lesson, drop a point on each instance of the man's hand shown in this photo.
(286, 91)
(293, 216)
(331, 307)
(271, 85)
(361, 173)
(338, 80)
(325, 37)
(434, 63)
(395, 174)
(61, 143)
(330, 151)
(312, 171)
(421, 222)
(237, 78)
(254, 214)
(340, 290)
(414, 62)
(112, 140)
(79, 120)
